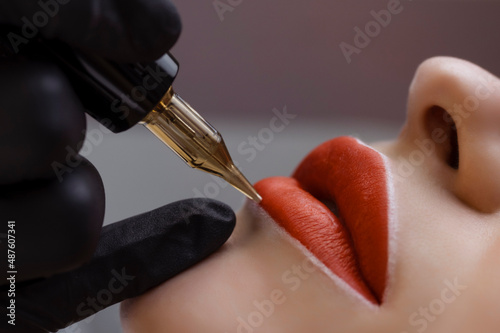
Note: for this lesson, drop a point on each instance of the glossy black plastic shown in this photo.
(117, 95)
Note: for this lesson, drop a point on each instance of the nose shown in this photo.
(456, 105)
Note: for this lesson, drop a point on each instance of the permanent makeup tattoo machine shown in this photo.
(122, 95)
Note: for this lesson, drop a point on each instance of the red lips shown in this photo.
(353, 242)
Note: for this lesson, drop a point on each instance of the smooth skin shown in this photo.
(445, 269)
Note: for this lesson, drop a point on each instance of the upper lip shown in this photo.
(353, 242)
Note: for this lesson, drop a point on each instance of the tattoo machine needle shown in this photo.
(122, 95)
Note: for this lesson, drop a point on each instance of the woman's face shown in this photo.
(405, 240)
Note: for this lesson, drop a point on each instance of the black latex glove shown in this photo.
(125, 31)
(59, 218)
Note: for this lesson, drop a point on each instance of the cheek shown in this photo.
(477, 310)
(438, 241)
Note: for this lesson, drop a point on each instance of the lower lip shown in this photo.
(353, 245)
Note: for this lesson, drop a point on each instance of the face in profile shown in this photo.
(399, 236)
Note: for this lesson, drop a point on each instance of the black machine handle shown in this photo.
(117, 95)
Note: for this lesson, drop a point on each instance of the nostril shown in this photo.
(453, 154)
(438, 120)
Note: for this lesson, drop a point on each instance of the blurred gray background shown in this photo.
(264, 55)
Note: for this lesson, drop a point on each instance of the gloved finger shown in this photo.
(125, 31)
(132, 256)
(42, 122)
(57, 223)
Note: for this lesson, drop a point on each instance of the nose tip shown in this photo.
(470, 99)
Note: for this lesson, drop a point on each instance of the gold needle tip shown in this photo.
(252, 194)
(238, 181)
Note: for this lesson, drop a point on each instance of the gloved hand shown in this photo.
(67, 269)
(124, 31)
(131, 257)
